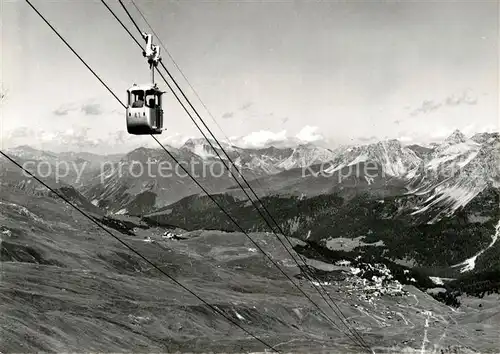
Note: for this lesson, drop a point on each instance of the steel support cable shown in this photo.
(185, 77)
(341, 316)
(203, 189)
(309, 274)
(253, 192)
(242, 230)
(213, 308)
(213, 199)
(178, 68)
(175, 281)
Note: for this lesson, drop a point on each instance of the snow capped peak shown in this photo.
(207, 148)
(456, 137)
(306, 155)
(192, 142)
(395, 159)
(200, 147)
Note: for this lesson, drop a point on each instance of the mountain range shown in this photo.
(449, 174)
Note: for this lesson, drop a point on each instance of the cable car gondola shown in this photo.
(144, 111)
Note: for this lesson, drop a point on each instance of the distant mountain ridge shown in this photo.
(424, 168)
(282, 158)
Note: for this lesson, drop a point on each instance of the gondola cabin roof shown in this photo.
(145, 87)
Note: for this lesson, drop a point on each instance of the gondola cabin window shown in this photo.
(136, 99)
(152, 99)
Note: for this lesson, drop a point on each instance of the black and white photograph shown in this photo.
(250, 176)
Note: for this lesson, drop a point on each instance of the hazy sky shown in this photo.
(266, 70)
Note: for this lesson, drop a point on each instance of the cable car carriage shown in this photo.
(144, 110)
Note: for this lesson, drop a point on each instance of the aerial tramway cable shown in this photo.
(218, 205)
(185, 78)
(182, 73)
(175, 281)
(309, 273)
(213, 308)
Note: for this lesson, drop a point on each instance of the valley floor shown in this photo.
(68, 286)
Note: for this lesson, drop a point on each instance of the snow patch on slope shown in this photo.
(360, 158)
(453, 196)
(470, 263)
(461, 154)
